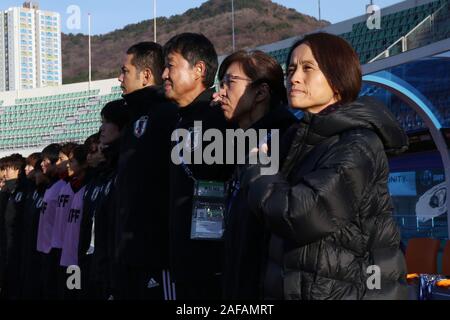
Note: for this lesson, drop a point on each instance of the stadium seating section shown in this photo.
(369, 43)
(33, 122)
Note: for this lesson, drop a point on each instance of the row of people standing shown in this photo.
(307, 232)
(47, 205)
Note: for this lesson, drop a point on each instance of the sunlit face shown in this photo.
(179, 78)
(62, 159)
(28, 169)
(46, 165)
(95, 155)
(109, 132)
(61, 164)
(236, 97)
(130, 78)
(307, 87)
(11, 173)
(73, 167)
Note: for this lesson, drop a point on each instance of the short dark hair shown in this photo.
(68, 147)
(260, 68)
(37, 166)
(15, 161)
(195, 47)
(33, 158)
(2, 163)
(148, 55)
(337, 60)
(51, 152)
(92, 139)
(115, 112)
(80, 153)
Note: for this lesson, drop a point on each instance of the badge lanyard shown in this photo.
(208, 208)
(208, 205)
(185, 167)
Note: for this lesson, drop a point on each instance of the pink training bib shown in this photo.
(47, 217)
(69, 255)
(63, 205)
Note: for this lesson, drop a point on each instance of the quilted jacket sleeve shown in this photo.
(322, 201)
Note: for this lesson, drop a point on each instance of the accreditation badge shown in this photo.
(208, 210)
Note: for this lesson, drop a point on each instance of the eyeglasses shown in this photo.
(227, 80)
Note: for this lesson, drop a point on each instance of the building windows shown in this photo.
(34, 28)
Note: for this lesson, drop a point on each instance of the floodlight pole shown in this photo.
(232, 25)
(154, 20)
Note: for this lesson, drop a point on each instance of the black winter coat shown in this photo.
(143, 180)
(99, 206)
(245, 235)
(191, 259)
(104, 224)
(4, 196)
(329, 210)
(13, 226)
(31, 260)
(91, 201)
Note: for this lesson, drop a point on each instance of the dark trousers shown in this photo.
(31, 277)
(199, 288)
(90, 289)
(136, 283)
(12, 280)
(49, 274)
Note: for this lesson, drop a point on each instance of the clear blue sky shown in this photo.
(108, 15)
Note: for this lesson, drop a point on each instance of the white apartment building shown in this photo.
(2, 53)
(32, 48)
(48, 40)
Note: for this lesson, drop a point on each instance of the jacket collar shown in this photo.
(364, 113)
(203, 100)
(11, 185)
(140, 101)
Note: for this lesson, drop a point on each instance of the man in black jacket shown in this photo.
(143, 177)
(191, 64)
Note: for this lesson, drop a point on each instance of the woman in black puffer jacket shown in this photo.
(329, 209)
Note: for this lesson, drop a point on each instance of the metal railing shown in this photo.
(429, 30)
(414, 226)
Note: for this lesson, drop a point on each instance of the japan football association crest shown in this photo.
(18, 197)
(140, 126)
(94, 194)
(39, 203)
(108, 187)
